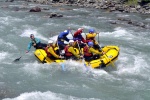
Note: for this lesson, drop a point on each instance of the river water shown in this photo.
(28, 79)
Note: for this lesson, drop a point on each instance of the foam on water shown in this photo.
(3, 55)
(27, 32)
(104, 18)
(147, 19)
(78, 26)
(79, 67)
(74, 65)
(122, 15)
(4, 20)
(54, 38)
(7, 44)
(38, 67)
(81, 10)
(135, 67)
(8, 20)
(46, 96)
(119, 32)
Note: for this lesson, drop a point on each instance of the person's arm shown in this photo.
(83, 40)
(76, 34)
(66, 39)
(71, 49)
(95, 51)
(51, 51)
(29, 47)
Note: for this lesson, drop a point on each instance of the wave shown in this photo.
(27, 32)
(46, 96)
(3, 55)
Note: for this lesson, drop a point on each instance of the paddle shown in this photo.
(62, 64)
(98, 39)
(80, 54)
(17, 59)
(113, 65)
(79, 48)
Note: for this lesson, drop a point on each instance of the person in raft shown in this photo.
(90, 37)
(78, 38)
(51, 53)
(61, 38)
(90, 53)
(36, 43)
(70, 53)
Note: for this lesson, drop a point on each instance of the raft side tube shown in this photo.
(42, 56)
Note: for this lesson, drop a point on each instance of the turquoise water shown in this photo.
(28, 79)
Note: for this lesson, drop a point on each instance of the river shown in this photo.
(28, 79)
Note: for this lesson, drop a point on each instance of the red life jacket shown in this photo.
(46, 50)
(86, 51)
(67, 53)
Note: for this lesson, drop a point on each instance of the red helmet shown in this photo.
(80, 29)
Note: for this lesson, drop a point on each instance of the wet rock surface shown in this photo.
(110, 5)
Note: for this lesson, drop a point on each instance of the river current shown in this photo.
(28, 79)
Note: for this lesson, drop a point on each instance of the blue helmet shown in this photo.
(66, 31)
(90, 44)
(91, 31)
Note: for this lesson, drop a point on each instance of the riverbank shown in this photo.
(109, 5)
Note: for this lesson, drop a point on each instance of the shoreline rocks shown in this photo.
(131, 22)
(109, 5)
(35, 9)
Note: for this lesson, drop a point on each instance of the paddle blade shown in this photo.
(17, 59)
(63, 67)
(113, 65)
(86, 67)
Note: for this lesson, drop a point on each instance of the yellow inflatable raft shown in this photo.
(110, 56)
(42, 56)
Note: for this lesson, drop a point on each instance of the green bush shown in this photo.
(132, 2)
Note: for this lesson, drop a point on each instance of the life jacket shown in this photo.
(67, 53)
(89, 39)
(46, 50)
(86, 51)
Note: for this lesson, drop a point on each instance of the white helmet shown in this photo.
(80, 29)
(70, 41)
(50, 41)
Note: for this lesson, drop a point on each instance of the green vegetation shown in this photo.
(132, 2)
(145, 0)
(135, 2)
